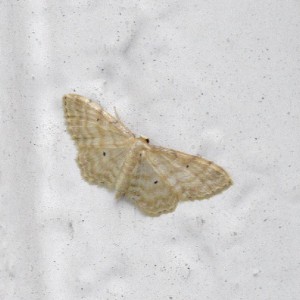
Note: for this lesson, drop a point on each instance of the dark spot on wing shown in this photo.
(187, 166)
(155, 182)
(104, 153)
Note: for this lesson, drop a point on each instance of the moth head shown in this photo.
(145, 139)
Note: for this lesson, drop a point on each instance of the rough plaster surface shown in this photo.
(214, 78)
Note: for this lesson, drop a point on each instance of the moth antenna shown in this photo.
(118, 117)
(116, 114)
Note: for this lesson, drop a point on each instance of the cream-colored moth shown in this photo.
(154, 178)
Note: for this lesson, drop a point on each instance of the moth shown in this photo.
(154, 178)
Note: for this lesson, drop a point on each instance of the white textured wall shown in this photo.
(214, 78)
